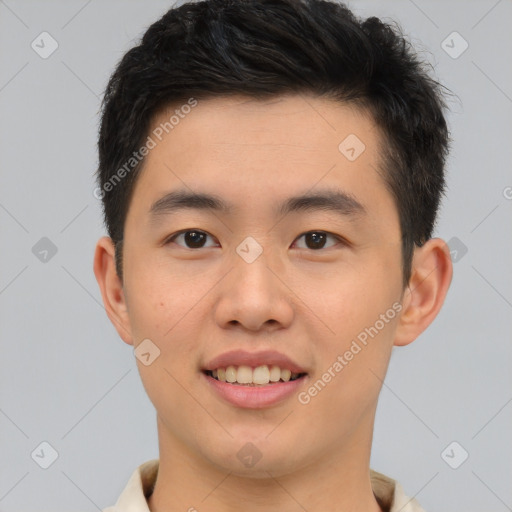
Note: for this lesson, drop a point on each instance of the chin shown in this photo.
(256, 456)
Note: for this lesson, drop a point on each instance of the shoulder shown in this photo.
(139, 487)
(390, 494)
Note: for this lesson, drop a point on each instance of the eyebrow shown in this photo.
(336, 201)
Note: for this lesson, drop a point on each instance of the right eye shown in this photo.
(193, 238)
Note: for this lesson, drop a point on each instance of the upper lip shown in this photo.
(253, 359)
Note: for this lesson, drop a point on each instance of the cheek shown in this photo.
(157, 302)
(162, 318)
(351, 301)
(353, 364)
(361, 312)
(169, 319)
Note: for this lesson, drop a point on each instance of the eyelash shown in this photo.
(179, 233)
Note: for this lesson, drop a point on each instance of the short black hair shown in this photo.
(267, 48)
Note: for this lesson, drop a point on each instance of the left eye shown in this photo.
(316, 239)
(194, 239)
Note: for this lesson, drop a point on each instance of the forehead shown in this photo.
(309, 123)
(249, 150)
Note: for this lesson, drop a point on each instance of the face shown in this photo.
(310, 285)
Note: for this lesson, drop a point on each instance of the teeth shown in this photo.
(231, 374)
(244, 375)
(285, 375)
(261, 375)
(275, 373)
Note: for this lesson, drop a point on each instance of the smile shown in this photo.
(259, 376)
(249, 395)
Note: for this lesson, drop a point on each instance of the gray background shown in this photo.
(68, 380)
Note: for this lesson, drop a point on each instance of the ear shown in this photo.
(112, 288)
(431, 276)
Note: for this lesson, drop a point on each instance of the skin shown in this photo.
(308, 303)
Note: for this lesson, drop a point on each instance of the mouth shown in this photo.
(263, 375)
(257, 387)
(254, 380)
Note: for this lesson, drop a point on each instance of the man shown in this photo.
(270, 172)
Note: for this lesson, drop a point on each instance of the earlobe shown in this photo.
(111, 288)
(431, 276)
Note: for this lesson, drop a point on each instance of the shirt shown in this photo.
(388, 492)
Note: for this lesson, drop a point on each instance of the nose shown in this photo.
(255, 296)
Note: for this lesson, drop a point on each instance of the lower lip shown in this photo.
(255, 397)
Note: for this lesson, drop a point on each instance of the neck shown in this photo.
(337, 481)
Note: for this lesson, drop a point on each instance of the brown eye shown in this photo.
(316, 240)
(193, 239)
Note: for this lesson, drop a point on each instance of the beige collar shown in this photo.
(388, 492)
